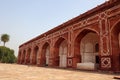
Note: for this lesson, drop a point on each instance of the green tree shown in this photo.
(8, 53)
(5, 38)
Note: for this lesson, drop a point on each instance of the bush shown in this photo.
(7, 55)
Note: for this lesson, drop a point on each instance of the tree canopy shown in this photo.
(5, 38)
(7, 55)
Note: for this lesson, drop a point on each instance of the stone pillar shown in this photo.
(31, 56)
(39, 57)
(52, 57)
(76, 59)
(105, 56)
(76, 56)
(19, 56)
(26, 56)
(70, 49)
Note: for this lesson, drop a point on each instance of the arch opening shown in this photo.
(115, 41)
(87, 50)
(45, 54)
(28, 56)
(23, 57)
(35, 55)
(61, 48)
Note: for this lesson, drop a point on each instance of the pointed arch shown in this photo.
(45, 54)
(85, 47)
(23, 56)
(79, 38)
(28, 55)
(35, 53)
(60, 49)
(115, 43)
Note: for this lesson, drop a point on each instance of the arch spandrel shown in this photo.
(85, 29)
(113, 21)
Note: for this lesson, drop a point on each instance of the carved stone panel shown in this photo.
(106, 62)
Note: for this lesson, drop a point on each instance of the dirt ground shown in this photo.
(23, 72)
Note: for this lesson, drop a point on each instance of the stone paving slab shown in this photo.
(23, 72)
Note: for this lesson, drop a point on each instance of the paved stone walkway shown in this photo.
(22, 72)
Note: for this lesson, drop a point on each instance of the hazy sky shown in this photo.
(26, 19)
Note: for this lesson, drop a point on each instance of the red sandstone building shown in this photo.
(90, 41)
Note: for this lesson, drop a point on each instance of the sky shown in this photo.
(26, 19)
